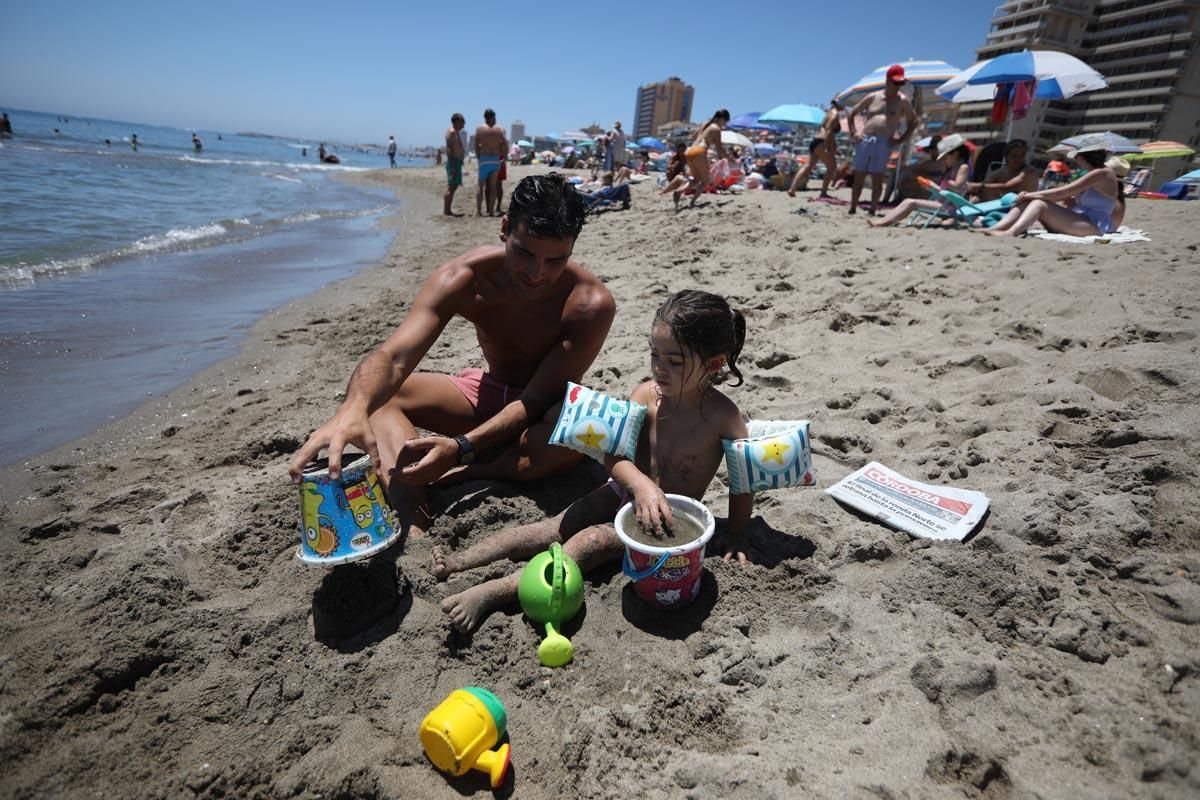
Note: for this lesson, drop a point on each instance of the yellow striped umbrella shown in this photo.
(1161, 150)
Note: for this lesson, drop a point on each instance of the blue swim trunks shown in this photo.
(488, 165)
(872, 154)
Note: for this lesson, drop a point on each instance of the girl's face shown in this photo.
(677, 370)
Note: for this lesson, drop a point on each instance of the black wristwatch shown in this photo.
(466, 453)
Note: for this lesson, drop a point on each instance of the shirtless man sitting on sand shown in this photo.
(540, 319)
(884, 110)
(1015, 175)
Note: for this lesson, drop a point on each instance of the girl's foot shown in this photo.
(444, 565)
(467, 610)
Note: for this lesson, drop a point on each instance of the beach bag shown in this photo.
(775, 455)
(598, 424)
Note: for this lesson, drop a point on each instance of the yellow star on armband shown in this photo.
(774, 451)
(592, 438)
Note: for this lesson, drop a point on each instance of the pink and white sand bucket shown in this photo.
(666, 577)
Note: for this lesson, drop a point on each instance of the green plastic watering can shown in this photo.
(551, 592)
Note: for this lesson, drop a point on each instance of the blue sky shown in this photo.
(358, 71)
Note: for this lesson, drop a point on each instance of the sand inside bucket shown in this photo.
(687, 528)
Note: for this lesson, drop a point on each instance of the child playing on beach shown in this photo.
(694, 337)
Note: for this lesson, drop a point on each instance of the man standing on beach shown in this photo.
(391, 150)
(490, 147)
(455, 153)
(884, 110)
(540, 319)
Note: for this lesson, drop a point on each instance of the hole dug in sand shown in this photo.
(353, 598)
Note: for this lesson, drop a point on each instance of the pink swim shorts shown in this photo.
(485, 394)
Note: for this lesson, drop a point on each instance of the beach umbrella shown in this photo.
(794, 114)
(765, 149)
(918, 73)
(1114, 142)
(650, 143)
(524, 143)
(750, 121)
(1059, 76)
(1192, 178)
(735, 138)
(1151, 150)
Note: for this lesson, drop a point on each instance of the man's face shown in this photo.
(533, 265)
(1016, 158)
(490, 120)
(459, 123)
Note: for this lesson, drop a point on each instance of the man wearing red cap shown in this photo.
(875, 139)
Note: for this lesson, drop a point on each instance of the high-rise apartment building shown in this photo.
(518, 131)
(1148, 50)
(658, 103)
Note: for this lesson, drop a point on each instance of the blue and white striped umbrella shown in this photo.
(918, 73)
(1192, 178)
(1059, 76)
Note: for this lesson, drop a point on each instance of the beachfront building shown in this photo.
(660, 103)
(1148, 50)
(517, 131)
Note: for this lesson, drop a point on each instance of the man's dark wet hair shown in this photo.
(547, 206)
(455, 117)
(487, 112)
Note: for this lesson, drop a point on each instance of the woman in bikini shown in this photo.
(823, 148)
(708, 136)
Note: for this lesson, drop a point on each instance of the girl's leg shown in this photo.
(589, 548)
(801, 178)
(1054, 217)
(523, 542)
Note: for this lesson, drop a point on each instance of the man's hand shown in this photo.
(347, 426)
(651, 507)
(441, 455)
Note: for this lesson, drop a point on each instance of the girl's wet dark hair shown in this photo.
(705, 324)
(547, 206)
(964, 154)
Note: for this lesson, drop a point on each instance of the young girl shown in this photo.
(955, 158)
(694, 337)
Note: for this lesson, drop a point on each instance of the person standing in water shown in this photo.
(133, 142)
(197, 145)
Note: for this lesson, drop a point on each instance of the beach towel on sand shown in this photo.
(1122, 235)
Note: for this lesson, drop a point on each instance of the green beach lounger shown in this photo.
(956, 208)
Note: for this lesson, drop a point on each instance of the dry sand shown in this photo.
(158, 636)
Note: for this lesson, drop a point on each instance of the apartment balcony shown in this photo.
(1166, 38)
(1163, 25)
(1015, 30)
(1146, 109)
(1146, 8)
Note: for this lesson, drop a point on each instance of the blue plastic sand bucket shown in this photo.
(342, 520)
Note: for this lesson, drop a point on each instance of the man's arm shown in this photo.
(859, 107)
(910, 122)
(381, 374)
(586, 319)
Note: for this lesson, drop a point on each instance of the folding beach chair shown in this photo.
(1136, 181)
(956, 208)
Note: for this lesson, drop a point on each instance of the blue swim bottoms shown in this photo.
(871, 154)
(488, 165)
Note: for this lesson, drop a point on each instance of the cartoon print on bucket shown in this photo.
(666, 577)
(342, 520)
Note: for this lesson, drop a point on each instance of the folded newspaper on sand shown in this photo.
(921, 509)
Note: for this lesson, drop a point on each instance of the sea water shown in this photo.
(123, 272)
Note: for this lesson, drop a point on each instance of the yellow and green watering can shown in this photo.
(551, 592)
(458, 735)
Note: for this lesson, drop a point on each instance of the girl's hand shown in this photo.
(652, 509)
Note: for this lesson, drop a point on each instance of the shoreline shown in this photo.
(159, 633)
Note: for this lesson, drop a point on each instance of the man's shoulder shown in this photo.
(589, 298)
(461, 272)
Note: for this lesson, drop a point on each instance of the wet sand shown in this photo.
(160, 640)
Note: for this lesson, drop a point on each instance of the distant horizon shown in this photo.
(370, 69)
